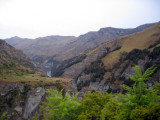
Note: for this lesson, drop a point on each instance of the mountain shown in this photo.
(107, 66)
(42, 46)
(51, 51)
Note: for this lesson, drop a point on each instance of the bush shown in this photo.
(59, 108)
(137, 54)
(92, 104)
(155, 53)
(3, 116)
(138, 102)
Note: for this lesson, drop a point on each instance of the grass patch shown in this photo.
(34, 79)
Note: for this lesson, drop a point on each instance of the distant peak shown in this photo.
(15, 37)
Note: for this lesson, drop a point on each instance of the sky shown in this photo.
(38, 18)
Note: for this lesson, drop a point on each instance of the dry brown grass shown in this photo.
(139, 40)
(35, 79)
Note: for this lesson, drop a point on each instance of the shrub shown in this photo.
(138, 103)
(3, 116)
(92, 104)
(155, 52)
(136, 54)
(59, 108)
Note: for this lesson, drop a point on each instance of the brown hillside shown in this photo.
(140, 40)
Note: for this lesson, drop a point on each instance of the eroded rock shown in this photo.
(34, 98)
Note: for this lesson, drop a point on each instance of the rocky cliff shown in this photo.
(21, 101)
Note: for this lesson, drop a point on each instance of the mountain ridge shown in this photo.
(60, 48)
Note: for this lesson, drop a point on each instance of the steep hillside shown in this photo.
(14, 60)
(139, 40)
(108, 65)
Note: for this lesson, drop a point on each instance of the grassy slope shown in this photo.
(35, 79)
(139, 40)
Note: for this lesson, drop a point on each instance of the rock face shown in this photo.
(76, 69)
(34, 98)
(110, 83)
(12, 99)
(19, 100)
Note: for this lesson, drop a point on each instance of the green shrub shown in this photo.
(113, 108)
(136, 54)
(59, 108)
(138, 102)
(92, 104)
(155, 52)
(151, 112)
(4, 116)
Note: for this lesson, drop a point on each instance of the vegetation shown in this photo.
(57, 107)
(3, 116)
(92, 104)
(138, 103)
(136, 54)
(35, 79)
(155, 52)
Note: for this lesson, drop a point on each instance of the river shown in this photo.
(49, 73)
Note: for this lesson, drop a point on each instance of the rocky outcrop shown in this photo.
(113, 80)
(34, 98)
(12, 99)
(20, 101)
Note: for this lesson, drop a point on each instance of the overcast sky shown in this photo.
(38, 18)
